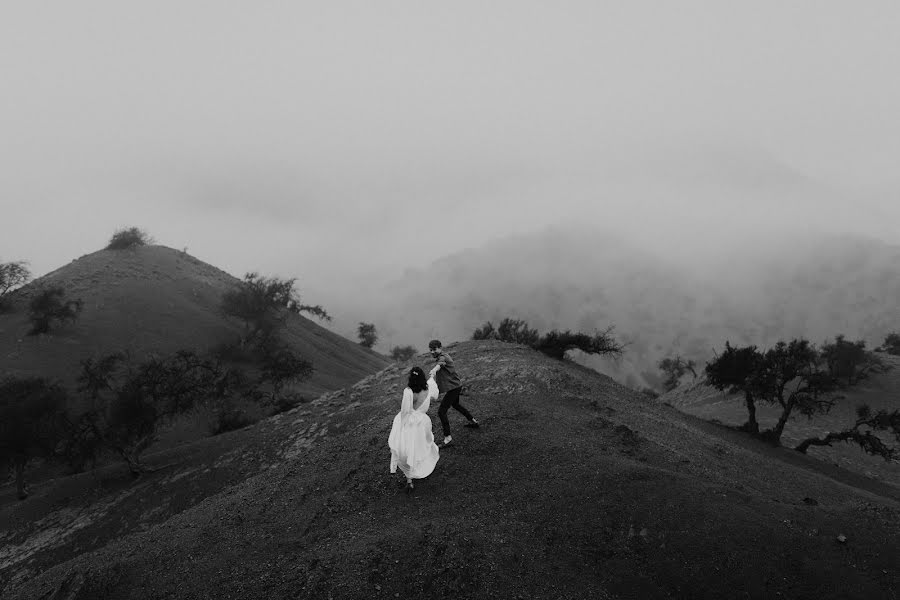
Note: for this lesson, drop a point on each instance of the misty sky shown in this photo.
(331, 140)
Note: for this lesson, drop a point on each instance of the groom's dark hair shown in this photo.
(434, 344)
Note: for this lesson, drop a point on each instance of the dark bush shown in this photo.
(32, 423)
(367, 334)
(130, 237)
(12, 275)
(891, 343)
(402, 353)
(557, 343)
(50, 306)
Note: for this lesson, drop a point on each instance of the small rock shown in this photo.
(811, 501)
(842, 538)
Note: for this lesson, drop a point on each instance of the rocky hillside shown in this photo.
(879, 391)
(156, 299)
(574, 487)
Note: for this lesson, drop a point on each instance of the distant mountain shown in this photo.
(154, 299)
(755, 291)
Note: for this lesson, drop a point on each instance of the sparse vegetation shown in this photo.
(795, 376)
(557, 343)
(891, 343)
(263, 305)
(281, 366)
(130, 402)
(50, 306)
(849, 362)
(674, 369)
(864, 433)
(367, 334)
(12, 275)
(514, 331)
(554, 343)
(128, 237)
(31, 423)
(402, 353)
(486, 332)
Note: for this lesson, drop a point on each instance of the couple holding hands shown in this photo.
(411, 441)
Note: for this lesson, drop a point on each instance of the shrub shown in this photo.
(50, 305)
(402, 353)
(891, 343)
(674, 369)
(12, 275)
(486, 332)
(367, 334)
(32, 413)
(557, 343)
(130, 237)
(230, 418)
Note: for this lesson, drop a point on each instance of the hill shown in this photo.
(879, 391)
(574, 487)
(584, 278)
(154, 299)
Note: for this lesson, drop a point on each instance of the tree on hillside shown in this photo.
(556, 343)
(129, 403)
(280, 367)
(128, 237)
(891, 343)
(486, 332)
(402, 353)
(849, 362)
(736, 370)
(865, 434)
(31, 423)
(263, 305)
(12, 275)
(674, 369)
(49, 306)
(367, 334)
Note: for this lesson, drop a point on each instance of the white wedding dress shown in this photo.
(411, 441)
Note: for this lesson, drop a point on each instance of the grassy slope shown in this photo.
(156, 299)
(575, 487)
(879, 391)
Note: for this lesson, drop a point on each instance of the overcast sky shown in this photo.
(328, 140)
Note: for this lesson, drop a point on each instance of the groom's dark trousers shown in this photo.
(451, 398)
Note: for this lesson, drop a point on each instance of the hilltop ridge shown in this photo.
(574, 487)
(154, 299)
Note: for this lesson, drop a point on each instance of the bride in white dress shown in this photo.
(411, 441)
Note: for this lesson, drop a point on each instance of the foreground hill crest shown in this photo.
(574, 487)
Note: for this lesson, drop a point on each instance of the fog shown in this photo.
(342, 143)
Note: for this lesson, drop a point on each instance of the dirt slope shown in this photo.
(575, 487)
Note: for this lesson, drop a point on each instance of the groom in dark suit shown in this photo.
(448, 382)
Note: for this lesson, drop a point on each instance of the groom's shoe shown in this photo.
(473, 424)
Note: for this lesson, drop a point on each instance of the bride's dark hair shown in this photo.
(417, 381)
